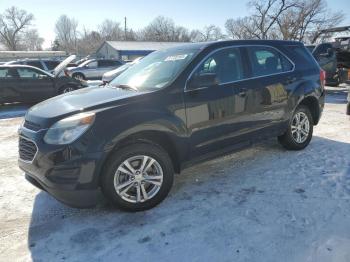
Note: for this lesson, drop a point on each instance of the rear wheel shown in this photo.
(300, 129)
(138, 177)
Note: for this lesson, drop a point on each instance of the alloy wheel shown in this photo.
(138, 179)
(300, 127)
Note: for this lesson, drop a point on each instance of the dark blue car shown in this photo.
(176, 107)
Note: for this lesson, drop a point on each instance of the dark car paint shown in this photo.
(33, 90)
(183, 121)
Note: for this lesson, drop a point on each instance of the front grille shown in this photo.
(31, 126)
(27, 149)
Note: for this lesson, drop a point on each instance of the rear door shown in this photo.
(271, 79)
(35, 85)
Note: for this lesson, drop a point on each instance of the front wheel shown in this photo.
(138, 177)
(300, 129)
(67, 89)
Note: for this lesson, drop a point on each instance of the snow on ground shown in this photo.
(261, 204)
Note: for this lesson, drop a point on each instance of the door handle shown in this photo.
(242, 92)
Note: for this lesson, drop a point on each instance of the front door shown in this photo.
(34, 85)
(211, 108)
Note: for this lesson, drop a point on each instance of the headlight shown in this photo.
(69, 129)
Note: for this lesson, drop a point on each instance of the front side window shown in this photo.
(156, 70)
(225, 63)
(28, 73)
(267, 61)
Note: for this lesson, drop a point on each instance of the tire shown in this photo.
(67, 89)
(79, 76)
(134, 154)
(294, 138)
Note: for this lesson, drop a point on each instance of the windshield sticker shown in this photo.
(176, 57)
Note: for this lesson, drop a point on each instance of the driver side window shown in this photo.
(225, 63)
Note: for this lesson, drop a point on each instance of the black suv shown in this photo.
(176, 107)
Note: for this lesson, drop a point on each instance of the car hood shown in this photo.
(61, 66)
(87, 99)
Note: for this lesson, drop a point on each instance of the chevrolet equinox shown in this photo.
(176, 107)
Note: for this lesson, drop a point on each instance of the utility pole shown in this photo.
(125, 36)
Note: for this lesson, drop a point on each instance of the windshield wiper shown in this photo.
(126, 87)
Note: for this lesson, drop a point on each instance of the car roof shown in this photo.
(23, 66)
(224, 43)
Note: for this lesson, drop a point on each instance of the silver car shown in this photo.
(93, 68)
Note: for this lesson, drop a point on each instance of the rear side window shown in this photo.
(267, 61)
(226, 64)
(302, 57)
(108, 63)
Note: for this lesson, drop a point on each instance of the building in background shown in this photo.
(130, 50)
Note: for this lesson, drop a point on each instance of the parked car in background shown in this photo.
(47, 65)
(93, 68)
(176, 107)
(28, 84)
(110, 75)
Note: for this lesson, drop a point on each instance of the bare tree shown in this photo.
(89, 41)
(209, 33)
(241, 28)
(33, 42)
(266, 13)
(111, 31)
(164, 29)
(307, 19)
(67, 33)
(13, 23)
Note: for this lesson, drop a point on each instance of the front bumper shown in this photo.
(68, 172)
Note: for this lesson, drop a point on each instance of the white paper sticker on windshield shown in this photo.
(176, 57)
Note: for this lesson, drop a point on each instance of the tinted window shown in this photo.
(304, 58)
(51, 64)
(267, 61)
(28, 73)
(108, 63)
(226, 64)
(35, 64)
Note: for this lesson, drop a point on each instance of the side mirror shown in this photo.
(203, 80)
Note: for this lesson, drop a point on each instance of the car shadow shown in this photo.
(13, 110)
(57, 232)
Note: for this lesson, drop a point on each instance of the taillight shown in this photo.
(323, 77)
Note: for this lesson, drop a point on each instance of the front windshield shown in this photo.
(155, 70)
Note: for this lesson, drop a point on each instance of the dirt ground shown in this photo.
(261, 204)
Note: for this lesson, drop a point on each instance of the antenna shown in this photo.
(125, 35)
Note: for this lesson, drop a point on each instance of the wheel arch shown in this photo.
(159, 138)
(312, 104)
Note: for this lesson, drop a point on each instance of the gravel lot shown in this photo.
(261, 204)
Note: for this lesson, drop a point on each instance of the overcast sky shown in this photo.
(189, 13)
